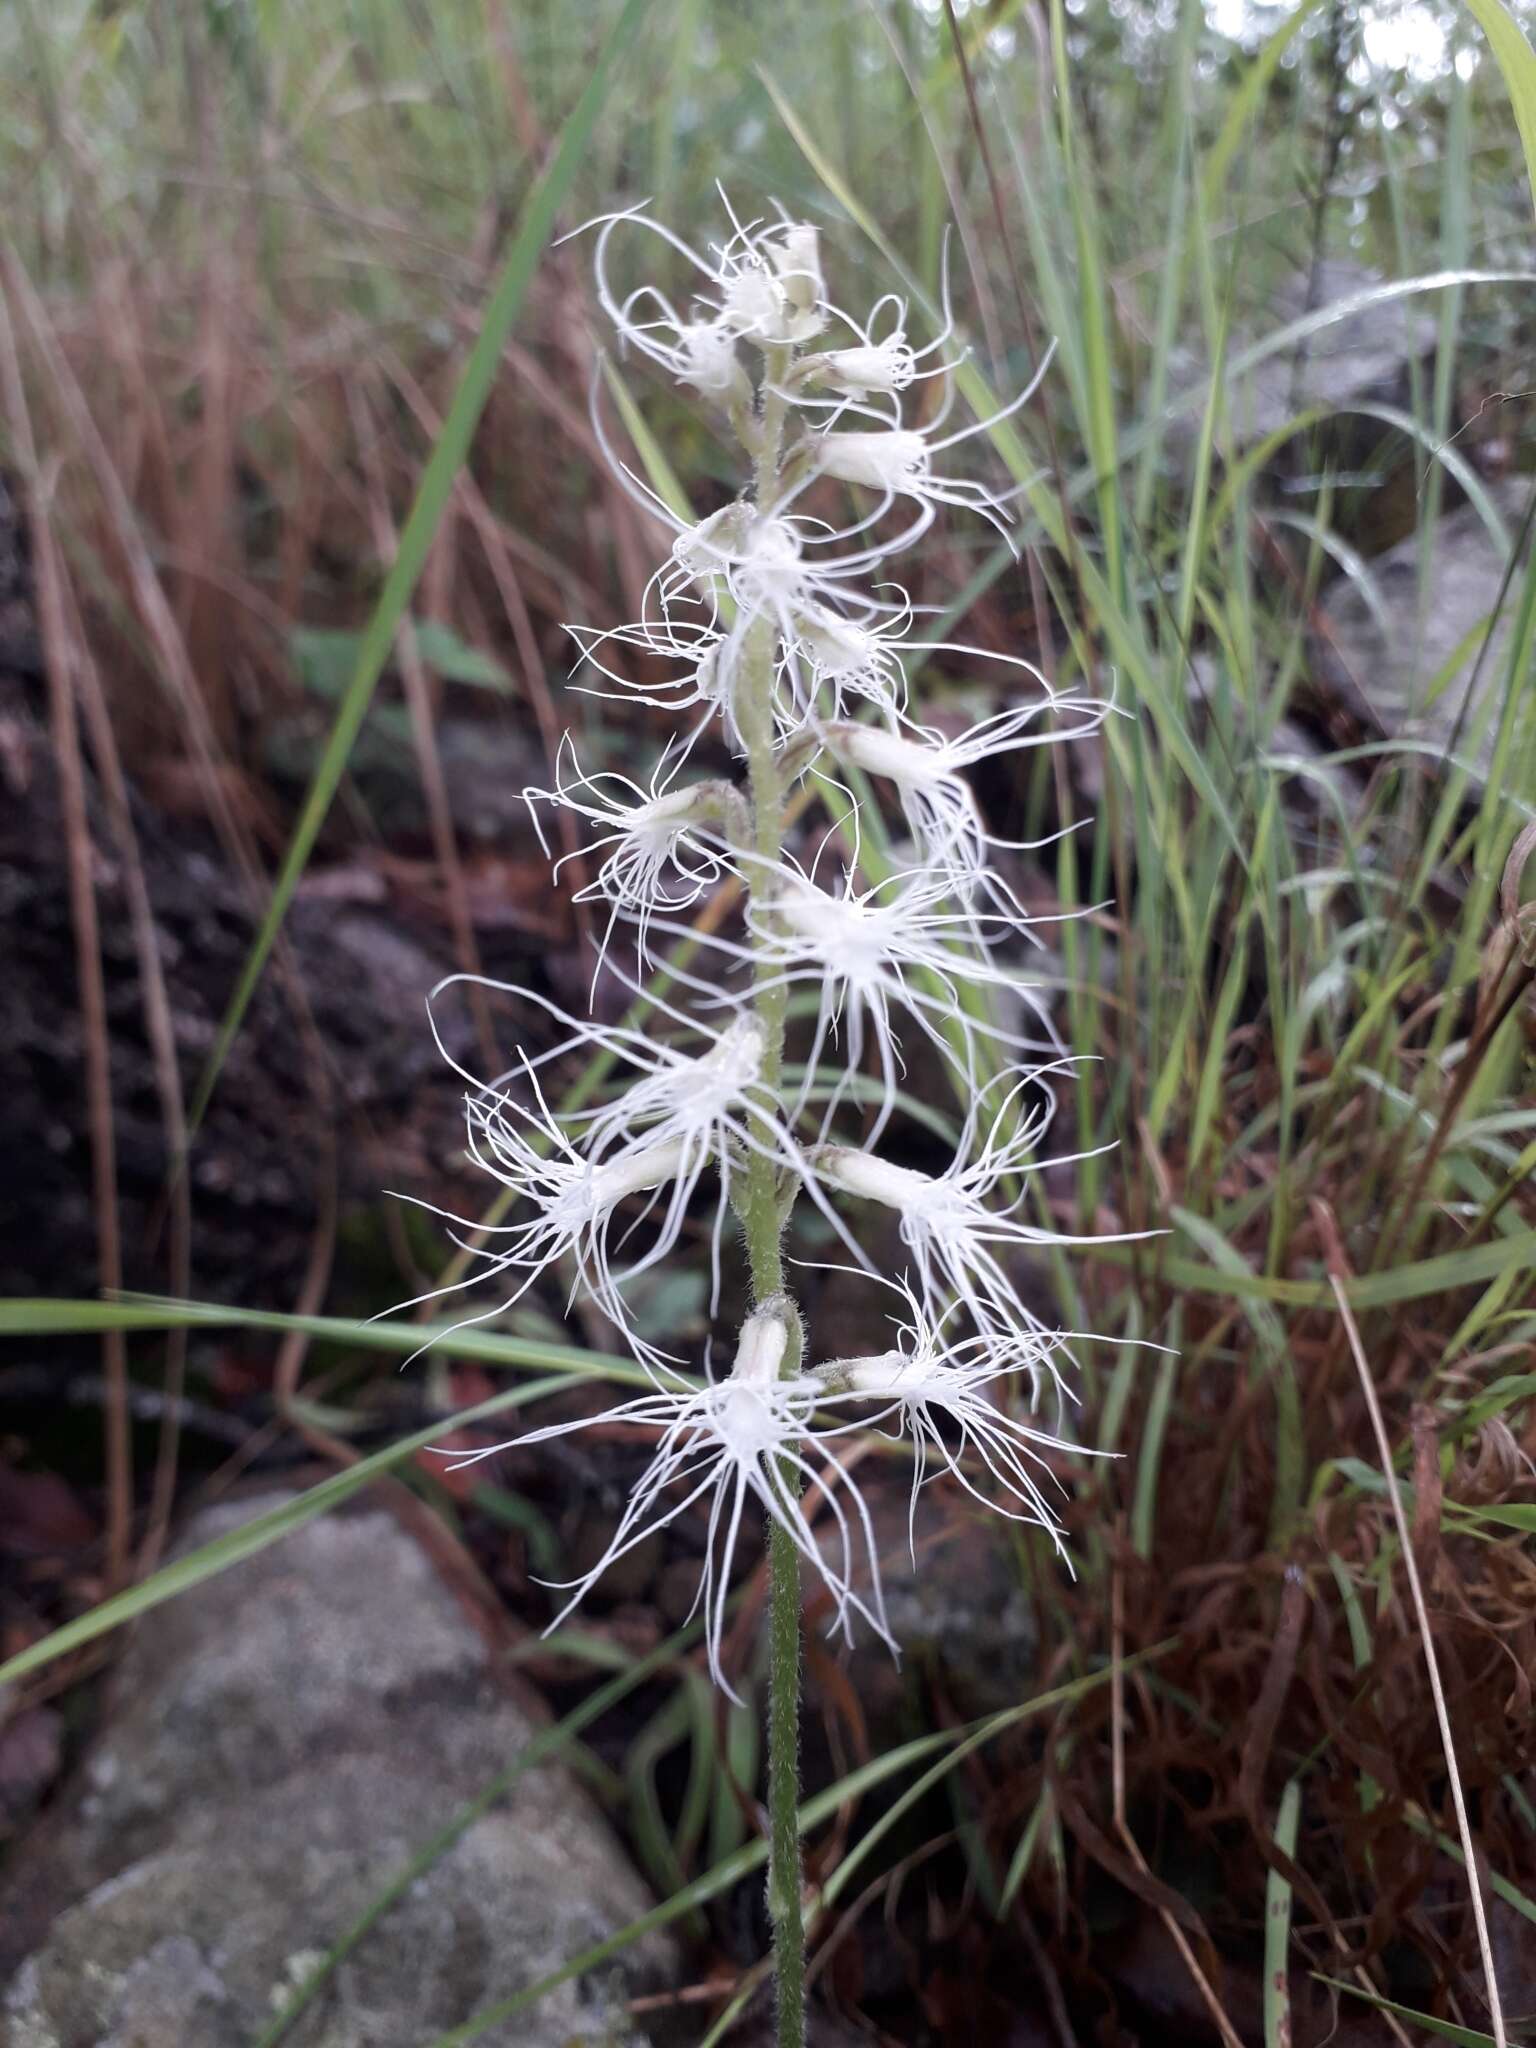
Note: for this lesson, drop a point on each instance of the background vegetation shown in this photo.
(296, 395)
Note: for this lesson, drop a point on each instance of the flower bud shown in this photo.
(871, 1178)
(892, 460)
(836, 645)
(773, 296)
(706, 358)
(912, 763)
(768, 1336)
(797, 259)
(888, 365)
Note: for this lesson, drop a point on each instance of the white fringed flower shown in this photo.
(663, 847)
(924, 1386)
(888, 365)
(755, 564)
(699, 352)
(764, 286)
(898, 462)
(684, 1115)
(899, 944)
(691, 644)
(744, 1438)
(927, 768)
(856, 950)
(875, 365)
(573, 1200)
(771, 288)
(831, 658)
(744, 566)
(952, 1223)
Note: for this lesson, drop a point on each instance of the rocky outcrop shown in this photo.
(286, 1735)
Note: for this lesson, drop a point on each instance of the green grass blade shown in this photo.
(1517, 62)
(819, 162)
(1509, 1893)
(1277, 1926)
(1149, 1455)
(1442, 2029)
(1372, 1290)
(663, 476)
(73, 1318)
(246, 1541)
(535, 225)
(1246, 102)
(1290, 1440)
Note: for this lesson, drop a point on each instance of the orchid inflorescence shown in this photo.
(777, 624)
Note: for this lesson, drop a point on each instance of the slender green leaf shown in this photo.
(1372, 1290)
(65, 1318)
(1443, 2029)
(237, 1544)
(1517, 61)
(1247, 100)
(1277, 1926)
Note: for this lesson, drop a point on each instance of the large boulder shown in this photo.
(1360, 354)
(1410, 650)
(286, 1736)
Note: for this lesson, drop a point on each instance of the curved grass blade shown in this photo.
(1443, 2029)
(1247, 100)
(70, 1318)
(246, 1541)
(1517, 62)
(1372, 1290)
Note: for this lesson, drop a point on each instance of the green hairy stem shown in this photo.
(762, 1218)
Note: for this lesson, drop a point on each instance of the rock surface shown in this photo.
(1362, 357)
(1393, 655)
(288, 1734)
(956, 1595)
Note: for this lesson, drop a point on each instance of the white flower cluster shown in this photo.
(775, 620)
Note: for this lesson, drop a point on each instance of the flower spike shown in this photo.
(775, 630)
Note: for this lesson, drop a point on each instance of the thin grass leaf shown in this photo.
(1247, 100)
(1510, 1894)
(663, 477)
(1517, 63)
(1149, 1456)
(64, 1318)
(251, 1537)
(1372, 1290)
(1290, 1439)
(1442, 2029)
(1277, 1926)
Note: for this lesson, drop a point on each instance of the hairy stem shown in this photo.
(762, 1222)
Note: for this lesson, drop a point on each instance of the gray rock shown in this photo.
(1362, 357)
(1386, 651)
(962, 1613)
(287, 1735)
